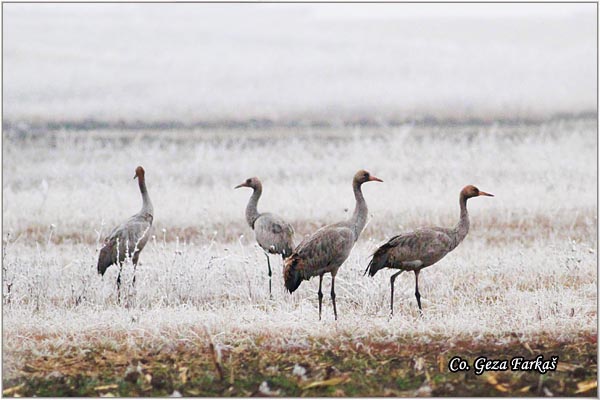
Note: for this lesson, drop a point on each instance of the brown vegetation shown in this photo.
(494, 229)
(326, 367)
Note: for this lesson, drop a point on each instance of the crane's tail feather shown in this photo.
(287, 251)
(105, 259)
(291, 275)
(378, 262)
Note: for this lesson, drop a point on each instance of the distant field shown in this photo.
(80, 182)
(525, 274)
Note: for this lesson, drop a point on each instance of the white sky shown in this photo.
(454, 10)
(200, 60)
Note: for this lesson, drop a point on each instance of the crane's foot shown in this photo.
(320, 299)
(418, 296)
(333, 295)
(119, 285)
(270, 275)
(130, 303)
(334, 306)
(392, 280)
(320, 293)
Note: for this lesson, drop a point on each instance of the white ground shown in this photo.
(539, 174)
(527, 267)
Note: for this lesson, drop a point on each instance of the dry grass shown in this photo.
(527, 268)
(543, 288)
(497, 229)
(320, 367)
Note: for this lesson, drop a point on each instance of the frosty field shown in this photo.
(525, 272)
(428, 97)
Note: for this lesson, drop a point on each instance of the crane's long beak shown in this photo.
(240, 185)
(485, 194)
(135, 176)
(374, 178)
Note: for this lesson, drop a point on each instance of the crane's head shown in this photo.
(139, 172)
(363, 176)
(253, 183)
(471, 191)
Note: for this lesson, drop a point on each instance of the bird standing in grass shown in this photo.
(423, 247)
(129, 238)
(328, 248)
(272, 233)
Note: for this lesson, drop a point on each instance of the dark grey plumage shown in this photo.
(129, 238)
(328, 248)
(413, 251)
(322, 252)
(273, 234)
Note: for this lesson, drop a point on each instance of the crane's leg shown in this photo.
(417, 294)
(270, 273)
(135, 261)
(133, 282)
(392, 279)
(119, 284)
(320, 293)
(333, 295)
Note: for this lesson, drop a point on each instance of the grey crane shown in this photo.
(129, 238)
(413, 251)
(272, 233)
(327, 249)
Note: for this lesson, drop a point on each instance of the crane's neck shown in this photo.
(146, 203)
(252, 213)
(359, 217)
(462, 228)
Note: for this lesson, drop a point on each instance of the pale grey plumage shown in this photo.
(328, 248)
(413, 251)
(272, 233)
(129, 238)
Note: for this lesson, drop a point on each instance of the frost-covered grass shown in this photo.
(528, 266)
(56, 297)
(79, 184)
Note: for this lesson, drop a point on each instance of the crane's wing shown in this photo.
(411, 250)
(274, 235)
(112, 233)
(113, 246)
(325, 249)
(123, 241)
(105, 258)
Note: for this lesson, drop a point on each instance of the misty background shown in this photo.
(297, 63)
